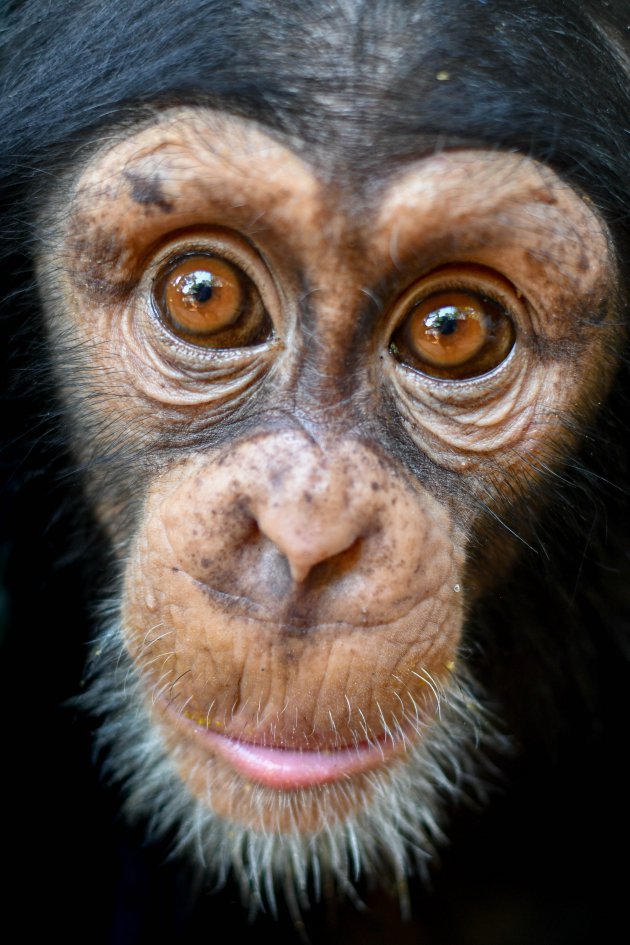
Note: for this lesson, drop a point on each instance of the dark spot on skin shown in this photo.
(277, 477)
(546, 195)
(97, 244)
(147, 191)
(375, 486)
(242, 512)
(205, 562)
(97, 252)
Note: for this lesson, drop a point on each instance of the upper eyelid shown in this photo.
(460, 276)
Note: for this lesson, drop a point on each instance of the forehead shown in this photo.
(199, 153)
(182, 144)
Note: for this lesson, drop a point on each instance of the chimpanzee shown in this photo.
(316, 320)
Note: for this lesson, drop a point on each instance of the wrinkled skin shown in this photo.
(294, 520)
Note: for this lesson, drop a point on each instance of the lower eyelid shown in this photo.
(460, 393)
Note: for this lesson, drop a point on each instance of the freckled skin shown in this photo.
(275, 554)
(293, 570)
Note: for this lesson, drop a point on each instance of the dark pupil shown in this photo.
(443, 321)
(199, 286)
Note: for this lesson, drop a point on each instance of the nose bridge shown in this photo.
(315, 480)
(336, 277)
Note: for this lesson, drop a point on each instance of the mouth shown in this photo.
(288, 769)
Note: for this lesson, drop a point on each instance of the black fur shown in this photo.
(354, 85)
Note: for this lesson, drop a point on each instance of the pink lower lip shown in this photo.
(287, 769)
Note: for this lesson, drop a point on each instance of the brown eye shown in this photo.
(210, 302)
(453, 333)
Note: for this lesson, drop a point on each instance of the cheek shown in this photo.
(232, 649)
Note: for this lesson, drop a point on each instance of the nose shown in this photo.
(334, 521)
(311, 512)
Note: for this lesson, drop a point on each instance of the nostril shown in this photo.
(305, 559)
(335, 568)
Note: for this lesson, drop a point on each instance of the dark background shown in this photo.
(546, 862)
